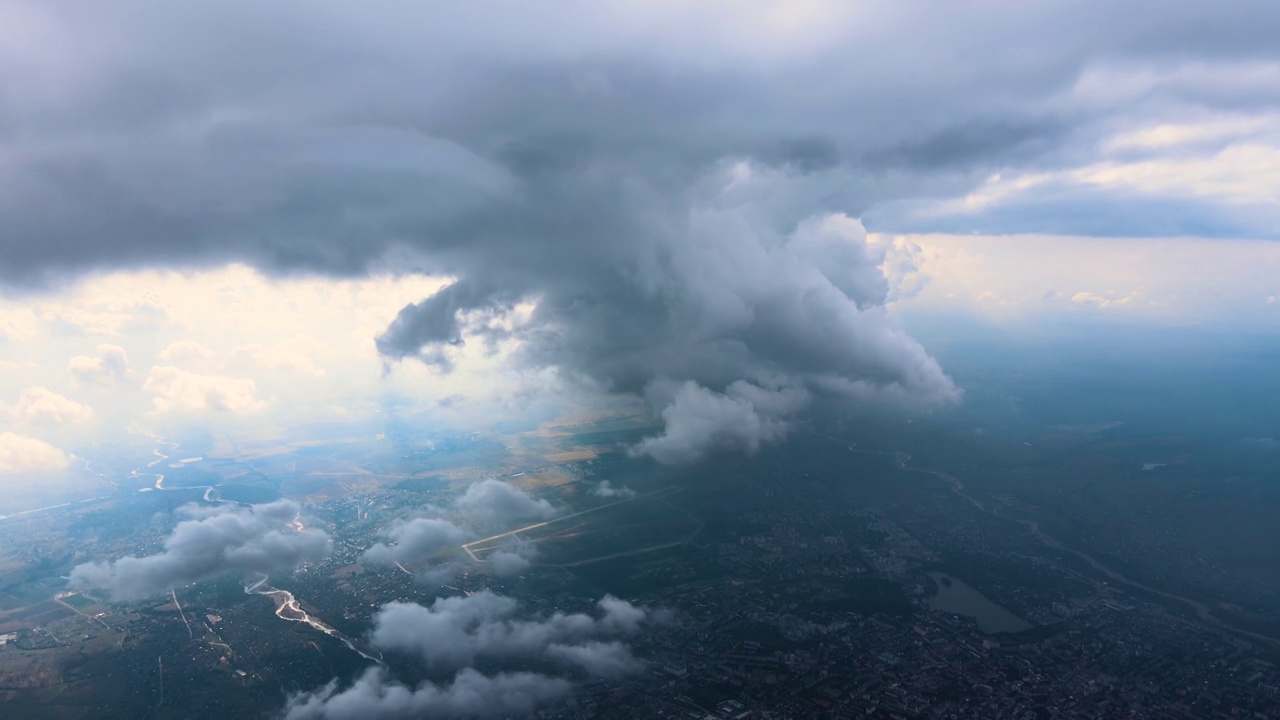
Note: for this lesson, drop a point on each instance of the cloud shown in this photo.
(208, 543)
(437, 577)
(493, 502)
(292, 356)
(175, 390)
(415, 540)
(375, 696)
(25, 454)
(513, 559)
(184, 350)
(601, 659)
(42, 405)
(605, 489)
(699, 421)
(1262, 444)
(110, 365)
(658, 182)
(505, 562)
(1108, 300)
(455, 632)
(18, 324)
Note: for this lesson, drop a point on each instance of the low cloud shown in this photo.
(699, 421)
(177, 390)
(210, 542)
(493, 502)
(415, 540)
(601, 659)
(25, 454)
(605, 489)
(455, 632)
(110, 365)
(513, 560)
(375, 696)
(38, 405)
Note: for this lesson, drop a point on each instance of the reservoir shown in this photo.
(956, 597)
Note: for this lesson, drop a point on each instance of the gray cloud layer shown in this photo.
(671, 187)
(212, 541)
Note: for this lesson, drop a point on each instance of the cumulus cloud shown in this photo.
(415, 540)
(176, 390)
(376, 696)
(42, 405)
(19, 453)
(454, 632)
(437, 577)
(493, 502)
(183, 350)
(210, 542)
(18, 324)
(506, 562)
(606, 489)
(110, 365)
(1109, 300)
(513, 559)
(699, 420)
(602, 659)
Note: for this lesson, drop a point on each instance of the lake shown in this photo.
(956, 597)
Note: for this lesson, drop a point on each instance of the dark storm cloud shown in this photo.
(650, 176)
(212, 541)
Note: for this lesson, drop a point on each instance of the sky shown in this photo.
(249, 216)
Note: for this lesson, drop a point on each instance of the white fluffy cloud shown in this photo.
(42, 405)
(606, 489)
(25, 454)
(415, 540)
(453, 633)
(207, 543)
(110, 365)
(376, 696)
(175, 390)
(496, 502)
(182, 350)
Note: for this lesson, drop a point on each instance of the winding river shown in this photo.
(288, 608)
